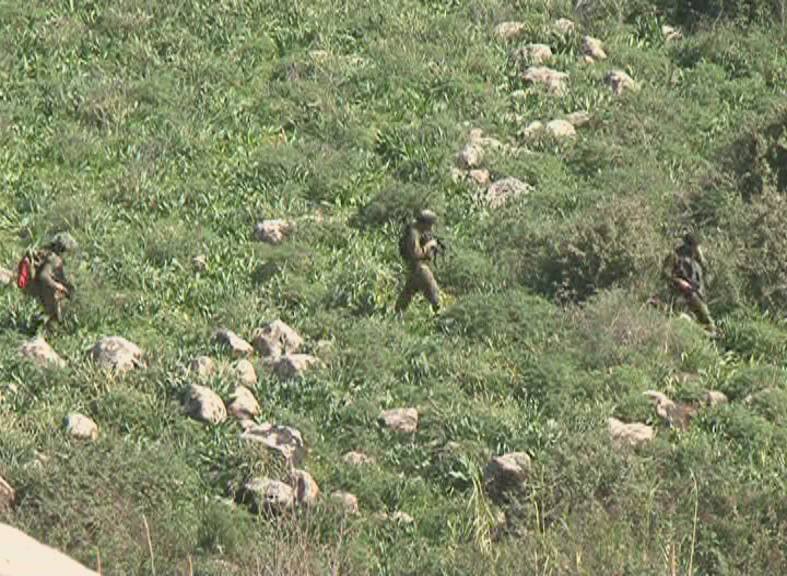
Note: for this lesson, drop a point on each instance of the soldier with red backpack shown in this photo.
(40, 274)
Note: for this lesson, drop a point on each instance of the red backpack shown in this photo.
(23, 273)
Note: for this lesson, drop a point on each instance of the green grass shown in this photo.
(158, 131)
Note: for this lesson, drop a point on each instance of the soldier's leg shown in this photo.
(407, 293)
(52, 306)
(700, 310)
(428, 286)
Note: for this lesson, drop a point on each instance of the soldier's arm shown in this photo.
(417, 251)
(47, 277)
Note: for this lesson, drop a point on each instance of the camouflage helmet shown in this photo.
(426, 217)
(62, 242)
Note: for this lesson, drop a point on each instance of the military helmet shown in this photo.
(426, 217)
(62, 242)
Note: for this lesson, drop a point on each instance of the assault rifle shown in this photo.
(439, 250)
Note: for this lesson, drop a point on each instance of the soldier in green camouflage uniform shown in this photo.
(687, 267)
(417, 247)
(48, 283)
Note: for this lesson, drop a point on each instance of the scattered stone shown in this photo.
(533, 54)
(237, 345)
(243, 371)
(81, 427)
(561, 129)
(502, 191)
(594, 48)
(477, 137)
(620, 82)
(306, 489)
(629, 434)
(319, 55)
(715, 398)
(204, 404)
(21, 555)
(404, 420)
(202, 367)
(508, 31)
(480, 177)
(533, 129)
(41, 353)
(587, 59)
(578, 119)
(273, 231)
(116, 353)
(6, 276)
(275, 339)
(7, 495)
(675, 415)
(554, 81)
(295, 365)
(66, 240)
(200, 263)
(402, 518)
(268, 496)
(243, 405)
(564, 26)
(507, 472)
(470, 157)
(357, 459)
(670, 33)
(519, 94)
(346, 500)
(283, 440)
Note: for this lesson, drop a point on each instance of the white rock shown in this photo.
(81, 427)
(357, 459)
(470, 156)
(283, 440)
(273, 231)
(533, 54)
(269, 496)
(306, 489)
(533, 129)
(402, 518)
(670, 33)
(554, 81)
(564, 26)
(578, 119)
(243, 405)
(508, 471)
(404, 420)
(347, 501)
(237, 345)
(7, 495)
(295, 365)
(715, 398)
(594, 48)
(21, 555)
(243, 371)
(205, 405)
(561, 129)
(200, 263)
(507, 31)
(477, 138)
(480, 177)
(620, 82)
(633, 434)
(116, 353)
(41, 353)
(319, 55)
(275, 339)
(202, 367)
(502, 191)
(6, 276)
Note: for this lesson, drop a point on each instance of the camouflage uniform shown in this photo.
(686, 277)
(418, 249)
(48, 283)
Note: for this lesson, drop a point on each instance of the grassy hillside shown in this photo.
(155, 132)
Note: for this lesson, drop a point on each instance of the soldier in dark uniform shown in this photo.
(418, 247)
(687, 268)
